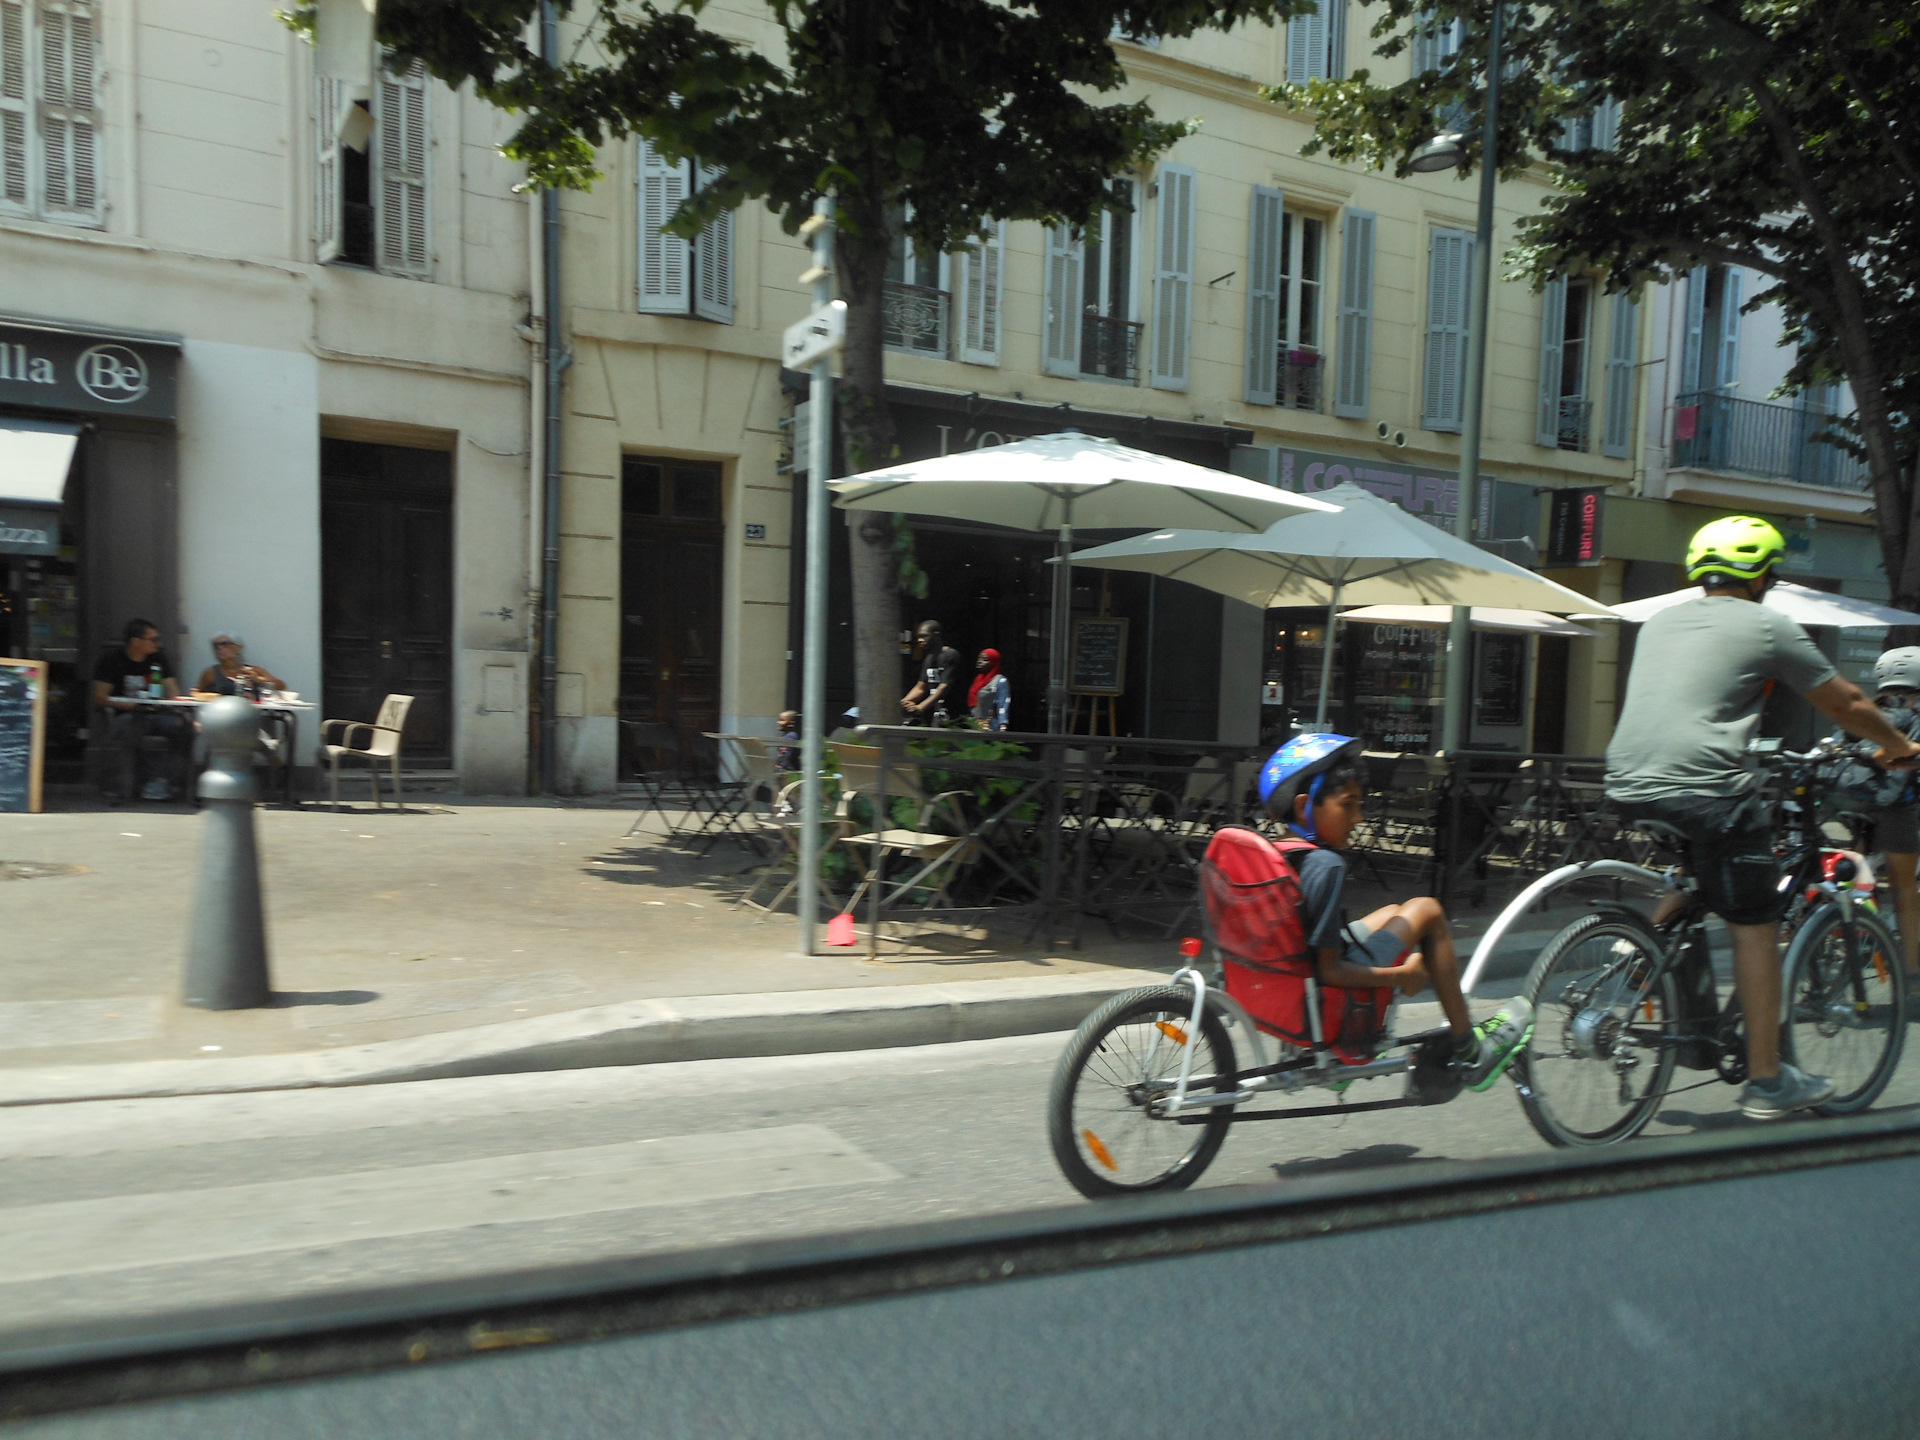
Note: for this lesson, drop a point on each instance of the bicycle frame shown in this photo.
(1289, 1076)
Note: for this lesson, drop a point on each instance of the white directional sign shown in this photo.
(821, 333)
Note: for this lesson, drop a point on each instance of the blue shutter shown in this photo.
(1553, 332)
(1353, 335)
(1623, 345)
(1263, 295)
(1449, 265)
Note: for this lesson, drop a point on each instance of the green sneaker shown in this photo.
(1500, 1038)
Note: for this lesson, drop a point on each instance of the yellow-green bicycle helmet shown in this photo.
(1742, 547)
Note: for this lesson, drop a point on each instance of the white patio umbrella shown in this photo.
(1797, 602)
(1370, 551)
(1485, 617)
(1054, 482)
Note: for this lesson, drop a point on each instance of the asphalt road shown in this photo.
(113, 1208)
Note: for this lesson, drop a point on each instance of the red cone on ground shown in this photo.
(840, 929)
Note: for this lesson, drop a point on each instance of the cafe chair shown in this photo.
(938, 856)
(382, 743)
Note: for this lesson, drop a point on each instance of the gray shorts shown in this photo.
(1375, 949)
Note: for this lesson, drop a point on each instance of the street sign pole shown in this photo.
(813, 671)
(1457, 711)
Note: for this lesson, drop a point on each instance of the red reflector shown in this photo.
(1190, 947)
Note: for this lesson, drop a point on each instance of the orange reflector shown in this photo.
(1880, 965)
(1171, 1031)
(1097, 1150)
(1646, 1008)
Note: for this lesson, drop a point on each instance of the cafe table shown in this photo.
(279, 722)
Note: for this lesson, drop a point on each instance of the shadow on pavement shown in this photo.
(288, 999)
(1367, 1157)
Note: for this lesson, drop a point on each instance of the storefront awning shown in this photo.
(35, 456)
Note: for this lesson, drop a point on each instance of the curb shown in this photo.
(635, 1032)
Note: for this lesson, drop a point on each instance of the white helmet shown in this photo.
(1898, 669)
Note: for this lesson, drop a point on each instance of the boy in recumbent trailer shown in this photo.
(1312, 785)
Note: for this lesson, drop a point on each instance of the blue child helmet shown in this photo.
(1299, 764)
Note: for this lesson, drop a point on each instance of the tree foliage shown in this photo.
(932, 116)
(1782, 136)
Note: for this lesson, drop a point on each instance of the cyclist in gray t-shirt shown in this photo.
(1702, 672)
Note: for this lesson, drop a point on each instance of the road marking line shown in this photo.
(121, 1232)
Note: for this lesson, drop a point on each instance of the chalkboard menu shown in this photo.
(1099, 664)
(1500, 697)
(23, 720)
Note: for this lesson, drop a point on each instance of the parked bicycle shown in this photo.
(1620, 1003)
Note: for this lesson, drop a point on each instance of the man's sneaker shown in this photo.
(1500, 1038)
(1797, 1091)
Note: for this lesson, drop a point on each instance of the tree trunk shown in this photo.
(1896, 498)
(868, 427)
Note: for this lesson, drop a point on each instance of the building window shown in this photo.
(1317, 43)
(1435, 42)
(980, 263)
(1298, 369)
(675, 276)
(1443, 392)
(1091, 301)
(916, 302)
(1566, 318)
(1710, 360)
(1285, 260)
(49, 116)
(371, 193)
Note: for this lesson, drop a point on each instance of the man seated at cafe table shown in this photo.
(121, 679)
(230, 668)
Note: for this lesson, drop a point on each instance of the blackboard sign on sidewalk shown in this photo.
(23, 721)
(1099, 661)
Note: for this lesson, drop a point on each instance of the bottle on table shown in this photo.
(156, 687)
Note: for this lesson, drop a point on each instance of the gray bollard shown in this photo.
(227, 941)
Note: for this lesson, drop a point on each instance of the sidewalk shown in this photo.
(471, 935)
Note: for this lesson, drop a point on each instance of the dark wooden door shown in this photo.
(670, 574)
(386, 585)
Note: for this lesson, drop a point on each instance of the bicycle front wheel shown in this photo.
(1124, 1056)
(1845, 1006)
(1602, 1050)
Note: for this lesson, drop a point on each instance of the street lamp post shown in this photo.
(818, 229)
(1441, 153)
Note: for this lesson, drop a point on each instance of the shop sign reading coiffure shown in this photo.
(54, 367)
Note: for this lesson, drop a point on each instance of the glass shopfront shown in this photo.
(1389, 683)
(1387, 679)
(83, 550)
(990, 586)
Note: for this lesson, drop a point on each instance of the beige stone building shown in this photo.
(291, 389)
(289, 380)
(1241, 305)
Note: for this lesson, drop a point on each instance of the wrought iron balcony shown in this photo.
(1297, 381)
(914, 319)
(1574, 429)
(1753, 437)
(1110, 348)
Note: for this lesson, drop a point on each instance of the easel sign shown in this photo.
(23, 733)
(1097, 668)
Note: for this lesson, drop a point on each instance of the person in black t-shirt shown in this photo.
(927, 702)
(119, 675)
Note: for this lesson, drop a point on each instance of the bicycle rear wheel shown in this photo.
(1601, 1054)
(1845, 1006)
(1124, 1055)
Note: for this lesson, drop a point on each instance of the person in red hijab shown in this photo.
(990, 694)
